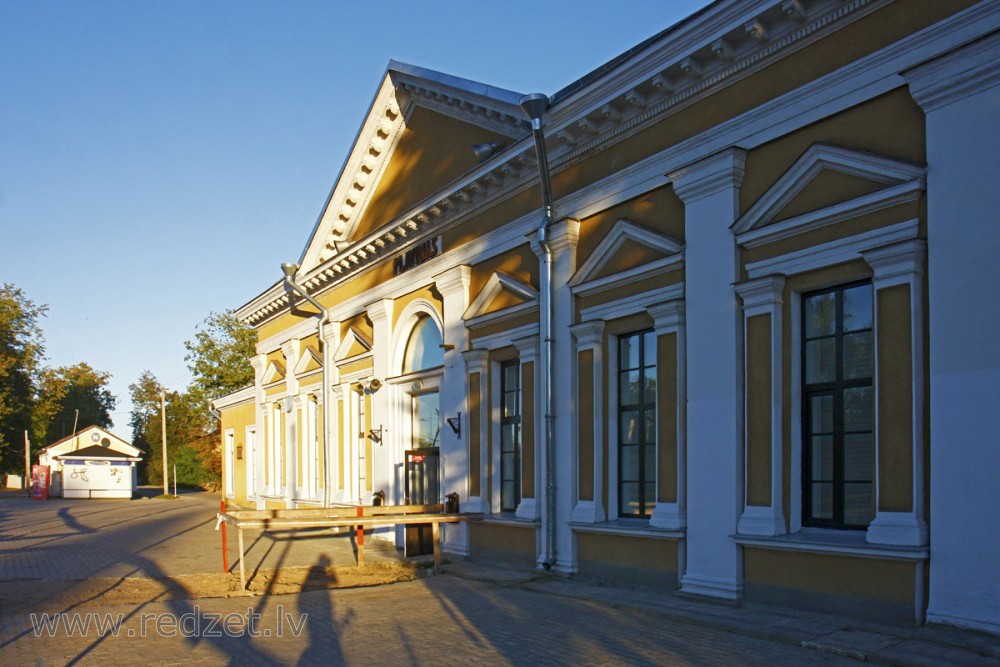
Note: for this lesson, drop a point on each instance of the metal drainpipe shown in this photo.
(290, 270)
(534, 106)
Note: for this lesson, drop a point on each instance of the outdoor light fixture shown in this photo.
(456, 424)
(375, 434)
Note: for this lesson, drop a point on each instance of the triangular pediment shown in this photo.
(834, 180)
(309, 361)
(626, 249)
(354, 344)
(500, 293)
(275, 372)
(387, 152)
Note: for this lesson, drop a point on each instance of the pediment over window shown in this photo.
(309, 361)
(500, 293)
(825, 185)
(275, 372)
(627, 251)
(354, 344)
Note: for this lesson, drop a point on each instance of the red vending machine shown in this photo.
(40, 479)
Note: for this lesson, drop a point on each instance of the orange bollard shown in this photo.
(360, 539)
(225, 551)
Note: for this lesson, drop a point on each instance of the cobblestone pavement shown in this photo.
(473, 614)
(439, 621)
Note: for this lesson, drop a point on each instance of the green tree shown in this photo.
(22, 350)
(219, 359)
(64, 391)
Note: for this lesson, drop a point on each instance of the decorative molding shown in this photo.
(820, 542)
(353, 336)
(454, 280)
(308, 357)
(495, 341)
(275, 372)
(589, 335)
(897, 264)
(631, 305)
(761, 296)
(497, 283)
(904, 529)
(833, 252)
(624, 230)
(956, 75)
(711, 175)
(824, 157)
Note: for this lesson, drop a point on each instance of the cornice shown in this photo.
(679, 79)
(957, 75)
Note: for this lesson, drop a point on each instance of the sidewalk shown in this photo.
(928, 646)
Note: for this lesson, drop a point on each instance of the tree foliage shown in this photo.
(71, 395)
(219, 357)
(22, 350)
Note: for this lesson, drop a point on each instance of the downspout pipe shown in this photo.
(534, 106)
(290, 270)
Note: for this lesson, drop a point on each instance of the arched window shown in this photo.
(423, 349)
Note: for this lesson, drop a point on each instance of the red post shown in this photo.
(225, 551)
(360, 539)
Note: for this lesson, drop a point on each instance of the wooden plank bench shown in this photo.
(358, 517)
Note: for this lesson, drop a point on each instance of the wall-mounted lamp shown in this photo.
(239, 452)
(373, 386)
(375, 434)
(447, 346)
(456, 424)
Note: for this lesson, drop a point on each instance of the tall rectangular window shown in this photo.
(510, 436)
(636, 424)
(839, 407)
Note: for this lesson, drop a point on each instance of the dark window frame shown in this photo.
(836, 389)
(510, 473)
(644, 404)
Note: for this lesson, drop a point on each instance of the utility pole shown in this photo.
(76, 417)
(163, 433)
(27, 461)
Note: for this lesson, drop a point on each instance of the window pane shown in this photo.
(649, 456)
(821, 458)
(649, 385)
(507, 465)
(426, 420)
(629, 502)
(629, 432)
(629, 357)
(820, 315)
(857, 308)
(859, 506)
(821, 360)
(649, 417)
(821, 414)
(822, 500)
(858, 355)
(858, 455)
(629, 388)
(858, 409)
(508, 432)
(629, 469)
(511, 374)
(508, 497)
(510, 407)
(423, 349)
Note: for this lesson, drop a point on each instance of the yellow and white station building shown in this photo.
(720, 317)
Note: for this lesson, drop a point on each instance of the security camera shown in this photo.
(374, 385)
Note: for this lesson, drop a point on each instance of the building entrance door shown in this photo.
(423, 468)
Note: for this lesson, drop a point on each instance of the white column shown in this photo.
(384, 476)
(590, 336)
(669, 318)
(762, 297)
(961, 97)
(259, 363)
(330, 441)
(291, 351)
(710, 192)
(453, 285)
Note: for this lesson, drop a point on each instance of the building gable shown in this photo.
(500, 293)
(626, 252)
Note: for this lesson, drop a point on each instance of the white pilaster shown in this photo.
(331, 441)
(763, 297)
(291, 351)
(710, 192)
(453, 285)
(669, 318)
(530, 507)
(259, 363)
(590, 336)
(384, 476)
(960, 94)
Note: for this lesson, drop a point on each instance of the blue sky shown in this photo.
(160, 159)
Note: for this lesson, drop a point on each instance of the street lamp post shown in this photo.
(163, 433)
